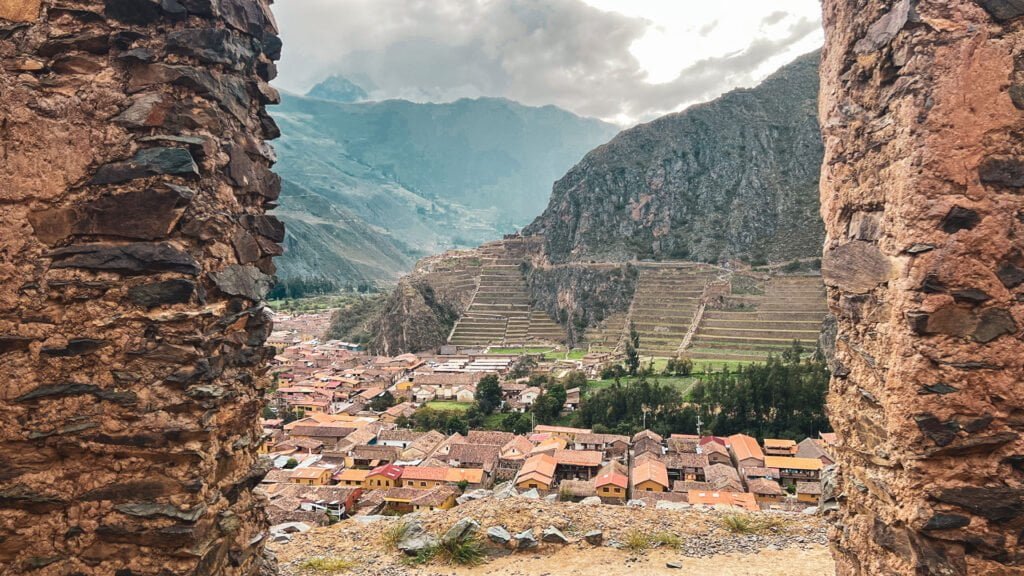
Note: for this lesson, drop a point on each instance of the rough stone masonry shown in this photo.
(922, 108)
(134, 252)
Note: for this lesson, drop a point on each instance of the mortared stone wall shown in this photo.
(134, 253)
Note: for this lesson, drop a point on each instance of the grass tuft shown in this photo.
(637, 541)
(749, 524)
(328, 564)
(466, 552)
(393, 535)
(670, 539)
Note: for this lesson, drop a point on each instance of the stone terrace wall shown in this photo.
(921, 106)
(134, 251)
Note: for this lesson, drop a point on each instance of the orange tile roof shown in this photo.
(310, 473)
(742, 500)
(612, 477)
(540, 467)
(745, 447)
(778, 443)
(431, 473)
(578, 457)
(351, 475)
(652, 470)
(388, 471)
(792, 463)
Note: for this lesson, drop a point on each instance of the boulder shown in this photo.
(856, 267)
(499, 535)
(591, 501)
(478, 494)
(461, 530)
(129, 259)
(1002, 9)
(504, 490)
(525, 540)
(551, 498)
(554, 536)
(415, 539)
(594, 537)
(636, 504)
(213, 46)
(666, 505)
(148, 162)
(531, 494)
(810, 510)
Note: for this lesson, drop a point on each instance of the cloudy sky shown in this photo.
(624, 61)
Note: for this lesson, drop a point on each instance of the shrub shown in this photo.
(749, 524)
(637, 541)
(394, 534)
(328, 564)
(669, 539)
(465, 552)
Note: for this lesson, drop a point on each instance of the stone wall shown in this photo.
(134, 251)
(921, 107)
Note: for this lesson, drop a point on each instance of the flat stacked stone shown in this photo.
(134, 255)
(924, 260)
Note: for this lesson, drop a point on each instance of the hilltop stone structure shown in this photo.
(922, 108)
(134, 252)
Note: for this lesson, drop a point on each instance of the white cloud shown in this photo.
(620, 60)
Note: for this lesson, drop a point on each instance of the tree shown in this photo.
(462, 485)
(576, 379)
(516, 423)
(488, 394)
(382, 402)
(268, 413)
(549, 404)
(522, 367)
(633, 351)
(291, 463)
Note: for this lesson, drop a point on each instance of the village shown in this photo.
(339, 450)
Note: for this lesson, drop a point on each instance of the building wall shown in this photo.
(132, 199)
(648, 486)
(921, 109)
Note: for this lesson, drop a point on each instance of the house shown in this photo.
(567, 433)
(404, 409)
(399, 438)
(648, 434)
(683, 444)
(647, 445)
(383, 477)
(352, 477)
(614, 446)
(612, 483)
(311, 476)
(576, 464)
(483, 456)
(738, 499)
(527, 397)
(439, 498)
(829, 438)
(422, 447)
(793, 470)
(746, 453)
(511, 458)
(723, 477)
(685, 486)
(766, 492)
(549, 445)
(811, 448)
(685, 466)
(808, 492)
(778, 447)
(650, 475)
(537, 472)
(337, 501)
(371, 456)
(572, 400)
(489, 437)
(428, 477)
(399, 500)
(716, 453)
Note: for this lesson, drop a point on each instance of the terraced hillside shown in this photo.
(791, 308)
(501, 311)
(664, 304)
(608, 335)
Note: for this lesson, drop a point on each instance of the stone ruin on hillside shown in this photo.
(134, 250)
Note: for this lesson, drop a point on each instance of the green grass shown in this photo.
(683, 383)
(466, 552)
(449, 405)
(493, 421)
(393, 535)
(636, 541)
(312, 303)
(328, 564)
(506, 351)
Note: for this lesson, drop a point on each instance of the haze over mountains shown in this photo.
(370, 187)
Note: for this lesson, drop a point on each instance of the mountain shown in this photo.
(736, 177)
(412, 179)
(338, 89)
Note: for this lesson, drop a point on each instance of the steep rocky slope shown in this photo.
(735, 177)
(412, 179)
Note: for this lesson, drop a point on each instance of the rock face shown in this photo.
(735, 177)
(133, 183)
(921, 116)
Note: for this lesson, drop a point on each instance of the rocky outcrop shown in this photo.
(921, 182)
(135, 252)
(736, 177)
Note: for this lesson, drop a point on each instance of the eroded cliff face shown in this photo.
(736, 177)
(921, 194)
(134, 251)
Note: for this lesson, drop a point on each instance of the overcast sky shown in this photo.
(624, 61)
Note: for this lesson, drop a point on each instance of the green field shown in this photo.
(699, 366)
(448, 405)
(312, 303)
(507, 351)
(683, 383)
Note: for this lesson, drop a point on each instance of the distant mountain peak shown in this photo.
(339, 89)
